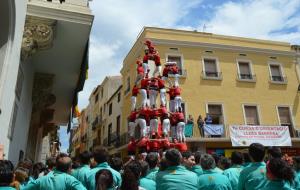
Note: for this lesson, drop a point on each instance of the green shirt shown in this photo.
(147, 184)
(7, 188)
(276, 185)
(253, 177)
(55, 181)
(80, 174)
(197, 169)
(176, 177)
(26, 182)
(296, 182)
(90, 177)
(213, 180)
(152, 174)
(233, 175)
(219, 170)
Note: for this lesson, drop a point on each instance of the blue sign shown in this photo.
(212, 129)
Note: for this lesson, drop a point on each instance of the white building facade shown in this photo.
(44, 69)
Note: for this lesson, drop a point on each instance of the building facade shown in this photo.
(235, 80)
(99, 110)
(46, 70)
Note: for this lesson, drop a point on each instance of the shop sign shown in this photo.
(244, 135)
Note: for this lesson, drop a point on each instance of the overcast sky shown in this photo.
(117, 24)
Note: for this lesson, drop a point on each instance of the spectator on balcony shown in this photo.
(188, 160)
(175, 176)
(146, 183)
(58, 179)
(190, 120)
(212, 179)
(6, 174)
(100, 157)
(233, 173)
(197, 167)
(253, 176)
(84, 168)
(200, 123)
(152, 160)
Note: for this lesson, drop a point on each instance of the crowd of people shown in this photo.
(255, 169)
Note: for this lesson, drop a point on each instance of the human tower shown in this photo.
(153, 126)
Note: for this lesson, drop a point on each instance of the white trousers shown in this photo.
(166, 126)
(153, 126)
(178, 101)
(143, 126)
(157, 70)
(144, 97)
(176, 81)
(131, 129)
(180, 131)
(145, 67)
(133, 102)
(163, 100)
(152, 97)
(173, 132)
(172, 106)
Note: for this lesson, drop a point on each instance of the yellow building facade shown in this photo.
(240, 80)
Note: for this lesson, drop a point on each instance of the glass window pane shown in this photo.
(284, 115)
(251, 115)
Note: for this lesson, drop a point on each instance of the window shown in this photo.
(110, 109)
(285, 118)
(178, 60)
(19, 84)
(251, 115)
(102, 93)
(12, 122)
(119, 97)
(109, 134)
(216, 113)
(244, 70)
(118, 125)
(128, 85)
(96, 98)
(276, 73)
(210, 68)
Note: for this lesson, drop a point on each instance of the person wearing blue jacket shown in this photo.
(280, 175)
(233, 173)
(145, 182)
(254, 176)
(211, 179)
(175, 176)
(59, 179)
(100, 156)
(84, 167)
(152, 160)
(197, 167)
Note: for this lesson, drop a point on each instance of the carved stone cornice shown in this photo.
(38, 35)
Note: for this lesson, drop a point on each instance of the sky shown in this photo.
(117, 24)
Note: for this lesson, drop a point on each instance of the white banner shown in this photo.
(244, 135)
(212, 129)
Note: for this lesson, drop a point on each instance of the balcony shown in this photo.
(276, 79)
(209, 75)
(97, 121)
(246, 77)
